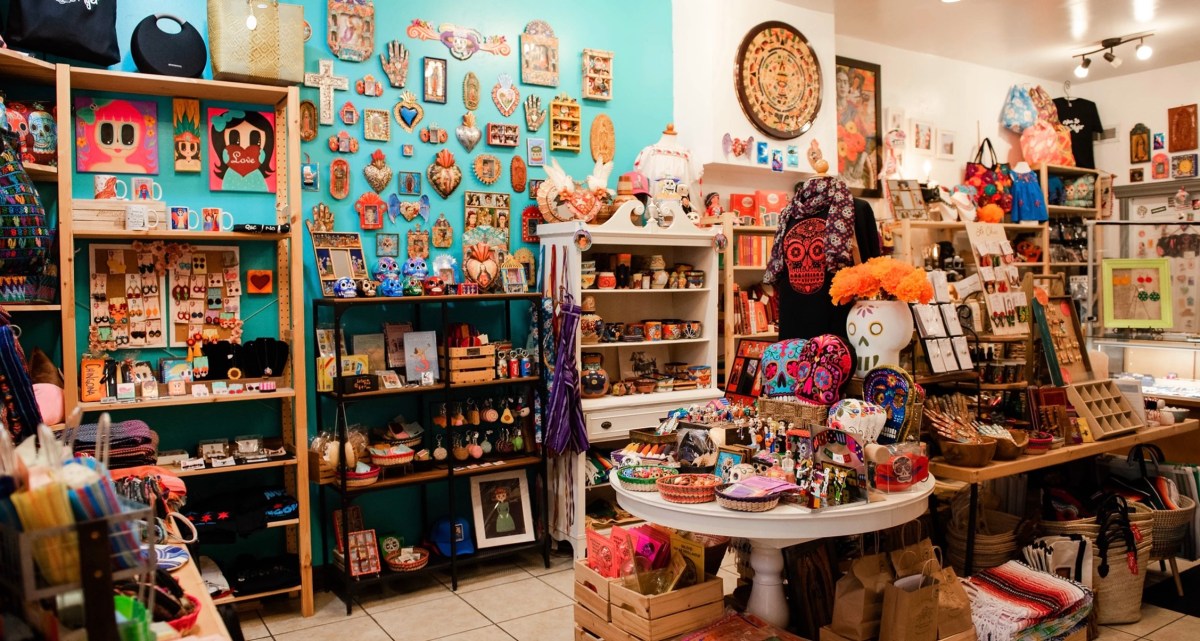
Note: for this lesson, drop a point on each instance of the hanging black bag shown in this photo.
(83, 30)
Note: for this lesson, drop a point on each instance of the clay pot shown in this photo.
(702, 374)
(645, 385)
(606, 280)
(591, 329)
(658, 279)
(653, 330)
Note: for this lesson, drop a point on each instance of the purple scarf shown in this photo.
(816, 197)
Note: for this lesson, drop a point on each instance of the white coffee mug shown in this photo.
(183, 219)
(140, 218)
(145, 189)
(109, 187)
(215, 219)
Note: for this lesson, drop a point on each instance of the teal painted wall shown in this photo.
(637, 31)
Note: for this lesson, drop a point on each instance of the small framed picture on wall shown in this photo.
(922, 138)
(946, 142)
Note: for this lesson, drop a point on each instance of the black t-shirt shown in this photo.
(1080, 117)
(805, 308)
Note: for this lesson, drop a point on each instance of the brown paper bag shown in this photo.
(910, 609)
(954, 606)
(858, 598)
(910, 559)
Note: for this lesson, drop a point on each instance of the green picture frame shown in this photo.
(1130, 302)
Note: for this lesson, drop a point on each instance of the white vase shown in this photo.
(878, 330)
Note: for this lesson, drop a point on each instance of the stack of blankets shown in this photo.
(1014, 602)
(132, 443)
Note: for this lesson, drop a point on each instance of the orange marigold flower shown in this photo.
(915, 288)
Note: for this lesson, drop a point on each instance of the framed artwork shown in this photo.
(435, 80)
(408, 183)
(259, 281)
(743, 384)
(512, 274)
(364, 553)
(893, 119)
(539, 55)
(387, 245)
(420, 357)
(502, 510)
(241, 150)
(922, 137)
(597, 74)
(503, 134)
(116, 136)
(377, 125)
(906, 200)
(351, 29)
(1136, 293)
(1160, 141)
(338, 255)
(308, 121)
(1136, 175)
(1183, 166)
(1160, 168)
(946, 144)
(535, 152)
(727, 457)
(776, 50)
(1139, 144)
(1181, 128)
(185, 117)
(859, 126)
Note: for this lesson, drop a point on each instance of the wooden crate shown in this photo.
(109, 215)
(320, 472)
(468, 364)
(653, 618)
(594, 627)
(592, 590)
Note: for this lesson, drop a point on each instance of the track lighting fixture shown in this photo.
(1107, 49)
(1082, 70)
(1112, 59)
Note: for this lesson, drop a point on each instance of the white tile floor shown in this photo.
(521, 600)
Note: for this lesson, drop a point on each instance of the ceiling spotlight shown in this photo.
(1082, 70)
(1112, 59)
(949, 1)
(1143, 50)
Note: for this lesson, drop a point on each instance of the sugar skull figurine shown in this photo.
(878, 330)
(369, 288)
(413, 286)
(392, 287)
(434, 286)
(391, 546)
(415, 267)
(385, 268)
(43, 132)
(345, 288)
(19, 124)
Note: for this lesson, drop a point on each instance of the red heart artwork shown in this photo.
(259, 281)
(243, 160)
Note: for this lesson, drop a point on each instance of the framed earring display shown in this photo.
(1136, 293)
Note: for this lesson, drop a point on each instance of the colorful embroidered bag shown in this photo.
(780, 362)
(991, 182)
(825, 365)
(1044, 104)
(24, 235)
(1019, 111)
(1047, 144)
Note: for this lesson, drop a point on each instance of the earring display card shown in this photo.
(950, 315)
(929, 321)
(126, 295)
(207, 305)
(1007, 306)
(962, 352)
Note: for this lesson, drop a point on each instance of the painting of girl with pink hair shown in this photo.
(116, 136)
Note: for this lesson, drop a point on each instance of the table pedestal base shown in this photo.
(767, 600)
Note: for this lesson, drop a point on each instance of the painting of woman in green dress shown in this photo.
(502, 509)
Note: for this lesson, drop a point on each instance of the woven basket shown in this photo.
(995, 535)
(1038, 446)
(682, 488)
(1119, 595)
(356, 480)
(1007, 450)
(639, 484)
(389, 460)
(793, 411)
(746, 504)
(1170, 528)
(1139, 515)
(969, 454)
(397, 565)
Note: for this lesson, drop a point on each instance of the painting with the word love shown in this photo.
(241, 150)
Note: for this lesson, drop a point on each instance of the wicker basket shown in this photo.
(363, 479)
(1007, 450)
(1139, 515)
(995, 534)
(1119, 594)
(390, 460)
(689, 488)
(969, 454)
(746, 504)
(1038, 446)
(1170, 528)
(630, 481)
(396, 565)
(793, 411)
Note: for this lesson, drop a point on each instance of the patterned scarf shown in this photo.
(818, 196)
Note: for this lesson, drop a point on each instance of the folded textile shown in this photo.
(222, 518)
(123, 434)
(1014, 602)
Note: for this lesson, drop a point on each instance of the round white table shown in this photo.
(770, 532)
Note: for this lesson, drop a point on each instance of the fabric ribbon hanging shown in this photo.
(565, 427)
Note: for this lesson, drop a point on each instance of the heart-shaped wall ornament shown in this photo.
(419, 207)
(408, 111)
(506, 95)
(444, 174)
(471, 91)
(378, 174)
(534, 114)
(467, 133)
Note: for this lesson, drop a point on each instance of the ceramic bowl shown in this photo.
(644, 385)
(672, 331)
(692, 329)
(653, 330)
(695, 279)
(586, 281)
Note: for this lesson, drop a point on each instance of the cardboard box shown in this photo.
(769, 202)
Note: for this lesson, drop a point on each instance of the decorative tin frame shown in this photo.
(597, 74)
(377, 125)
(503, 134)
(340, 15)
(434, 68)
(539, 55)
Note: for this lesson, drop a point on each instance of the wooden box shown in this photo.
(1106, 410)
(109, 215)
(468, 364)
(592, 590)
(319, 471)
(653, 618)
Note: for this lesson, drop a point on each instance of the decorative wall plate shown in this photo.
(471, 91)
(408, 112)
(443, 233)
(370, 208)
(463, 42)
(377, 125)
(308, 120)
(433, 134)
(378, 174)
(539, 55)
(368, 86)
(348, 113)
(506, 95)
(604, 139)
(503, 134)
(487, 168)
(444, 175)
(326, 83)
(351, 29)
(467, 133)
(339, 178)
(517, 173)
(343, 143)
(534, 114)
(778, 80)
(597, 74)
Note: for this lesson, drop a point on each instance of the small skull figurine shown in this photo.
(391, 287)
(345, 288)
(386, 268)
(391, 546)
(415, 267)
(369, 287)
(44, 132)
(434, 286)
(413, 286)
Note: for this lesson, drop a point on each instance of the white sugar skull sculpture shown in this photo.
(878, 330)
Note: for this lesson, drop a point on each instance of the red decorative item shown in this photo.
(339, 178)
(370, 208)
(530, 217)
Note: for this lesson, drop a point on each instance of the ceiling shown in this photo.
(1033, 37)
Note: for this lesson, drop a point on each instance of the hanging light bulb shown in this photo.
(1082, 70)
(1143, 50)
(1112, 59)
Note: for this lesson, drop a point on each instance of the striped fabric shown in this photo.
(1014, 602)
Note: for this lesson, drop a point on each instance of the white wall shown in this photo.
(962, 97)
(1143, 97)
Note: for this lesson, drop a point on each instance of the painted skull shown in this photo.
(18, 124)
(862, 419)
(369, 288)
(878, 330)
(825, 365)
(386, 268)
(391, 546)
(434, 286)
(43, 130)
(413, 286)
(415, 267)
(392, 287)
(892, 390)
(804, 253)
(779, 364)
(345, 288)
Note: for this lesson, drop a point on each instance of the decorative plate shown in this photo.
(487, 168)
(778, 80)
(171, 557)
(604, 139)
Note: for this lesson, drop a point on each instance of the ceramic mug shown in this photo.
(692, 329)
(214, 219)
(635, 332)
(695, 279)
(653, 330)
(109, 187)
(613, 332)
(141, 218)
(183, 219)
(144, 188)
(672, 331)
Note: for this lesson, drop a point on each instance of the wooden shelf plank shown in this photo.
(1063, 170)
(1071, 211)
(754, 229)
(31, 307)
(248, 467)
(172, 401)
(759, 335)
(439, 474)
(642, 344)
(209, 622)
(1027, 463)
(253, 597)
(178, 234)
(428, 300)
(155, 85)
(22, 67)
(943, 224)
(701, 290)
(499, 381)
(41, 173)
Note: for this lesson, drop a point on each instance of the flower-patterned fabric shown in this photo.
(825, 365)
(780, 363)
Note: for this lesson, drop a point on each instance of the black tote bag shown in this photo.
(83, 30)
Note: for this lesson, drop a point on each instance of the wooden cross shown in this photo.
(326, 82)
